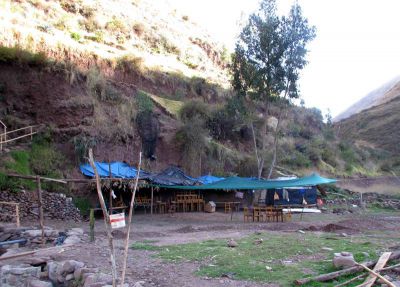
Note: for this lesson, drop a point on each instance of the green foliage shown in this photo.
(116, 26)
(97, 37)
(76, 36)
(82, 144)
(83, 204)
(192, 138)
(144, 102)
(22, 57)
(194, 109)
(130, 64)
(99, 88)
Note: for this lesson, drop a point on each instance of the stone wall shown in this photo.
(55, 205)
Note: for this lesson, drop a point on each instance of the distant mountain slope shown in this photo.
(378, 125)
(383, 94)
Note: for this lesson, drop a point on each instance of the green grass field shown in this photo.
(289, 255)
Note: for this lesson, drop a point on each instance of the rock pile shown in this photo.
(66, 273)
(382, 200)
(55, 205)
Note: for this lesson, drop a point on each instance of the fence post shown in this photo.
(17, 215)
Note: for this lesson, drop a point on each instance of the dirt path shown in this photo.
(195, 227)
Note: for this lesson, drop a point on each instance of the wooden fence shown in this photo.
(10, 136)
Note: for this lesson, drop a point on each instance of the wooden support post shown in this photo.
(91, 224)
(107, 222)
(111, 198)
(17, 215)
(151, 204)
(40, 205)
(130, 220)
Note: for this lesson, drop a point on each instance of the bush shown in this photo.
(116, 26)
(130, 64)
(194, 109)
(90, 25)
(144, 102)
(138, 28)
(82, 144)
(22, 57)
(76, 36)
(97, 37)
(83, 205)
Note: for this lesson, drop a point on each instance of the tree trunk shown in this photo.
(259, 158)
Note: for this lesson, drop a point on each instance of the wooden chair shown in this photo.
(247, 214)
(228, 208)
(172, 207)
(288, 215)
(269, 213)
(258, 214)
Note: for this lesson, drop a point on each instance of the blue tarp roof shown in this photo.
(206, 179)
(118, 170)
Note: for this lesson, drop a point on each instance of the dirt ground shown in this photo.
(195, 227)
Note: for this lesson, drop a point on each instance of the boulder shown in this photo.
(39, 283)
(343, 259)
(73, 239)
(69, 266)
(232, 243)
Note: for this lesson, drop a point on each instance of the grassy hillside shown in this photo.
(132, 76)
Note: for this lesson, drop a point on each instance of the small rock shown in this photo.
(344, 234)
(69, 277)
(258, 241)
(343, 259)
(139, 284)
(301, 231)
(73, 239)
(232, 243)
(268, 268)
(39, 283)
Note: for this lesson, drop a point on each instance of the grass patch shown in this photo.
(146, 245)
(291, 256)
(170, 106)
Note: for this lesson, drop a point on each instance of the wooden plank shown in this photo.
(370, 280)
(390, 284)
(12, 256)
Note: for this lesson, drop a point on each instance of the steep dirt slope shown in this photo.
(382, 95)
(378, 126)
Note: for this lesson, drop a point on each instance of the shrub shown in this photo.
(90, 25)
(76, 36)
(82, 144)
(194, 109)
(138, 28)
(144, 102)
(116, 26)
(83, 204)
(97, 37)
(185, 18)
(16, 54)
(130, 64)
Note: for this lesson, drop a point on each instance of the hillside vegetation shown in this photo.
(120, 76)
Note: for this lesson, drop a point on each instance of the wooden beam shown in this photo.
(369, 282)
(40, 205)
(34, 177)
(12, 256)
(152, 198)
(390, 284)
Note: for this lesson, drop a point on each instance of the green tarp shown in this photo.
(237, 183)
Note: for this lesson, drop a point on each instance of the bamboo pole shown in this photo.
(34, 177)
(91, 224)
(130, 220)
(40, 203)
(12, 256)
(110, 198)
(106, 220)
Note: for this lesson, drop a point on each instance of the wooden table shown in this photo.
(231, 204)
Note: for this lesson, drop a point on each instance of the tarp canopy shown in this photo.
(238, 183)
(118, 170)
(172, 176)
(207, 179)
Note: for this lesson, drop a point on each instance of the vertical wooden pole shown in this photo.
(130, 220)
(91, 224)
(152, 197)
(17, 215)
(106, 220)
(111, 198)
(40, 204)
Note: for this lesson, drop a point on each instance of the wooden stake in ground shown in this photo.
(91, 224)
(40, 205)
(106, 220)
(369, 282)
(130, 220)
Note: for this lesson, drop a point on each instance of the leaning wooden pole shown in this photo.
(40, 205)
(106, 220)
(130, 220)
